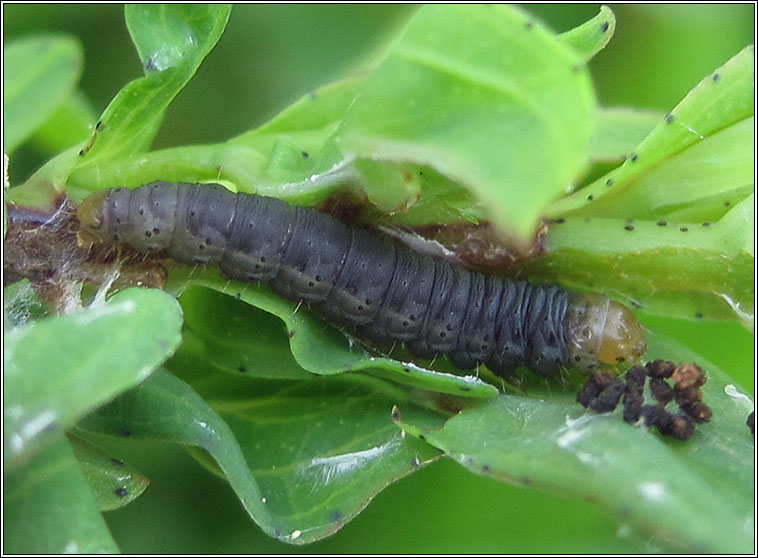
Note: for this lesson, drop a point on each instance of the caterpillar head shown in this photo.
(91, 214)
(601, 330)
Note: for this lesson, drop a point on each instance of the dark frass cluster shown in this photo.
(666, 382)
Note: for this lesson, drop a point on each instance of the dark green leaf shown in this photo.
(230, 336)
(696, 494)
(113, 482)
(304, 457)
(317, 346)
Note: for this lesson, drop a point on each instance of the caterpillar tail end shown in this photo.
(603, 331)
(90, 214)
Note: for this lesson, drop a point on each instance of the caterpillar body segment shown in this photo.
(355, 278)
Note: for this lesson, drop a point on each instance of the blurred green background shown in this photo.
(269, 56)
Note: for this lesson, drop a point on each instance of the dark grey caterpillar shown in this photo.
(355, 278)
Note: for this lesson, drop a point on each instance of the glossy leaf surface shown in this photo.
(89, 357)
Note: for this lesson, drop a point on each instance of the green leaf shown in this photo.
(172, 40)
(689, 277)
(620, 130)
(487, 98)
(737, 227)
(61, 368)
(592, 36)
(299, 156)
(317, 347)
(230, 164)
(43, 188)
(720, 100)
(303, 457)
(309, 122)
(696, 184)
(659, 231)
(304, 164)
(113, 482)
(48, 507)
(288, 157)
(230, 336)
(40, 73)
(696, 495)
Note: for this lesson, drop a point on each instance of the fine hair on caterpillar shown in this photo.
(387, 292)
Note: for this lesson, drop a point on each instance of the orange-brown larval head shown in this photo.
(601, 330)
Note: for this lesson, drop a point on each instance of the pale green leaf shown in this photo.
(487, 98)
(720, 100)
(39, 74)
(591, 37)
(619, 131)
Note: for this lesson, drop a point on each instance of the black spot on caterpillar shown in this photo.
(387, 292)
